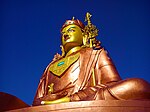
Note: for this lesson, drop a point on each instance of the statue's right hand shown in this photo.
(49, 97)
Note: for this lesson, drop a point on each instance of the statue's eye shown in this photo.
(70, 30)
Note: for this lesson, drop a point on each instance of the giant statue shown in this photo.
(84, 71)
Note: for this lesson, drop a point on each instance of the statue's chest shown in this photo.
(67, 79)
(58, 68)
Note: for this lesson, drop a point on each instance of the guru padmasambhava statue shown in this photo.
(84, 71)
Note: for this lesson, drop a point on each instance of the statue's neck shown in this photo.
(74, 49)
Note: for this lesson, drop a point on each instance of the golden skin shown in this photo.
(72, 38)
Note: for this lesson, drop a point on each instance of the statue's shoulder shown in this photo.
(56, 57)
(91, 50)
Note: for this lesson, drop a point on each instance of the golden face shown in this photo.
(71, 36)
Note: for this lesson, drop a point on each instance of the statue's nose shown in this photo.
(66, 37)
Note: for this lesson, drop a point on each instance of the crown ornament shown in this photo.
(90, 33)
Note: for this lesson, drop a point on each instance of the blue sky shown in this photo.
(30, 36)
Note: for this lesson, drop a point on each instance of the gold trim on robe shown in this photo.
(59, 67)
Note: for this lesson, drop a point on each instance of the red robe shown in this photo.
(82, 79)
